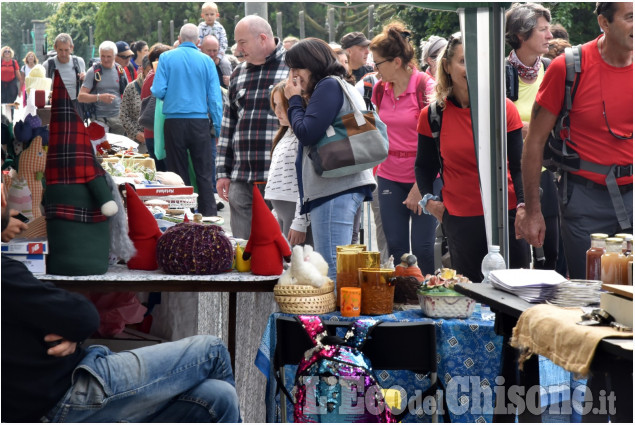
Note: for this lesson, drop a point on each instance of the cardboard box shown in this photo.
(621, 308)
(35, 263)
(26, 246)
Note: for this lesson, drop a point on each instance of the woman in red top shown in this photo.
(461, 210)
(10, 73)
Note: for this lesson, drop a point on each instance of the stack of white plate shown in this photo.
(577, 293)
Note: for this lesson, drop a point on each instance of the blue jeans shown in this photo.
(332, 225)
(405, 231)
(189, 380)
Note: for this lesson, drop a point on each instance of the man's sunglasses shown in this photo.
(125, 57)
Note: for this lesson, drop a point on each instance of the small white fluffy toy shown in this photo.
(307, 268)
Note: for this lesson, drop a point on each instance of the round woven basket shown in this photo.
(318, 304)
(303, 290)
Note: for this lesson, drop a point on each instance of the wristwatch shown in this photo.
(424, 201)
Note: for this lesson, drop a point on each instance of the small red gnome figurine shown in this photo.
(266, 246)
(144, 232)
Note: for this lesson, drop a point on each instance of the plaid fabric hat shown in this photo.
(70, 158)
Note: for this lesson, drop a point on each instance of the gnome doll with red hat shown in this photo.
(97, 134)
(78, 201)
(144, 232)
(266, 246)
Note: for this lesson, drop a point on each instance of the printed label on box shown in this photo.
(26, 246)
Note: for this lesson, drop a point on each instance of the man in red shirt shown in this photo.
(601, 132)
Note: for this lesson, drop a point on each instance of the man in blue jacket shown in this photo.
(187, 82)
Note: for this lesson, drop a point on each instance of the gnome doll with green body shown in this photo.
(78, 200)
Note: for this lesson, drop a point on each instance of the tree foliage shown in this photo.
(74, 19)
(138, 20)
(17, 17)
(578, 18)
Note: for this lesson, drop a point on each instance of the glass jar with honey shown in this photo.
(626, 260)
(594, 256)
(611, 261)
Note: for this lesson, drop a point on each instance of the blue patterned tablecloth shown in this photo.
(468, 354)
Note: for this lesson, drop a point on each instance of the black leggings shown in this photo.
(9, 91)
(467, 242)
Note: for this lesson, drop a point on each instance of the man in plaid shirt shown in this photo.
(249, 125)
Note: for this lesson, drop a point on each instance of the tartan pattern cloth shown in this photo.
(73, 213)
(249, 125)
(70, 158)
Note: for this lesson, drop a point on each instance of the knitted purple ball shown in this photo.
(191, 248)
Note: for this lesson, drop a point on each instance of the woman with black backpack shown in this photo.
(452, 153)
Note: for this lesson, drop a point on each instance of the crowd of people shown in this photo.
(253, 118)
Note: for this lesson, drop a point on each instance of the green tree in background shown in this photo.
(135, 21)
(16, 17)
(578, 18)
(132, 21)
(74, 19)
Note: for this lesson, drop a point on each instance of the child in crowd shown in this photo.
(282, 185)
(210, 26)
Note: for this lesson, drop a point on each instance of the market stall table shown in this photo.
(121, 279)
(613, 359)
(468, 351)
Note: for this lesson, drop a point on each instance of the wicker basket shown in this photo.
(303, 290)
(305, 299)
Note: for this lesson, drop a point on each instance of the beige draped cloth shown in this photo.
(552, 332)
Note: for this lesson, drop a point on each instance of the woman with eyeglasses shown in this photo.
(528, 33)
(11, 78)
(399, 98)
(332, 202)
(429, 52)
(460, 209)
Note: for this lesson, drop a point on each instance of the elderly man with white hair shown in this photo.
(187, 82)
(103, 87)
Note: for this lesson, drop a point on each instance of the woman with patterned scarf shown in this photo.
(528, 33)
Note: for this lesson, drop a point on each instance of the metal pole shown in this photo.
(171, 31)
(256, 8)
(371, 20)
(279, 24)
(301, 19)
(330, 17)
(159, 35)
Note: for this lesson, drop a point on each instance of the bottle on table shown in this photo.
(626, 261)
(594, 256)
(492, 261)
(611, 261)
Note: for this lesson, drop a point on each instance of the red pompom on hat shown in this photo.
(144, 232)
(97, 132)
(266, 245)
